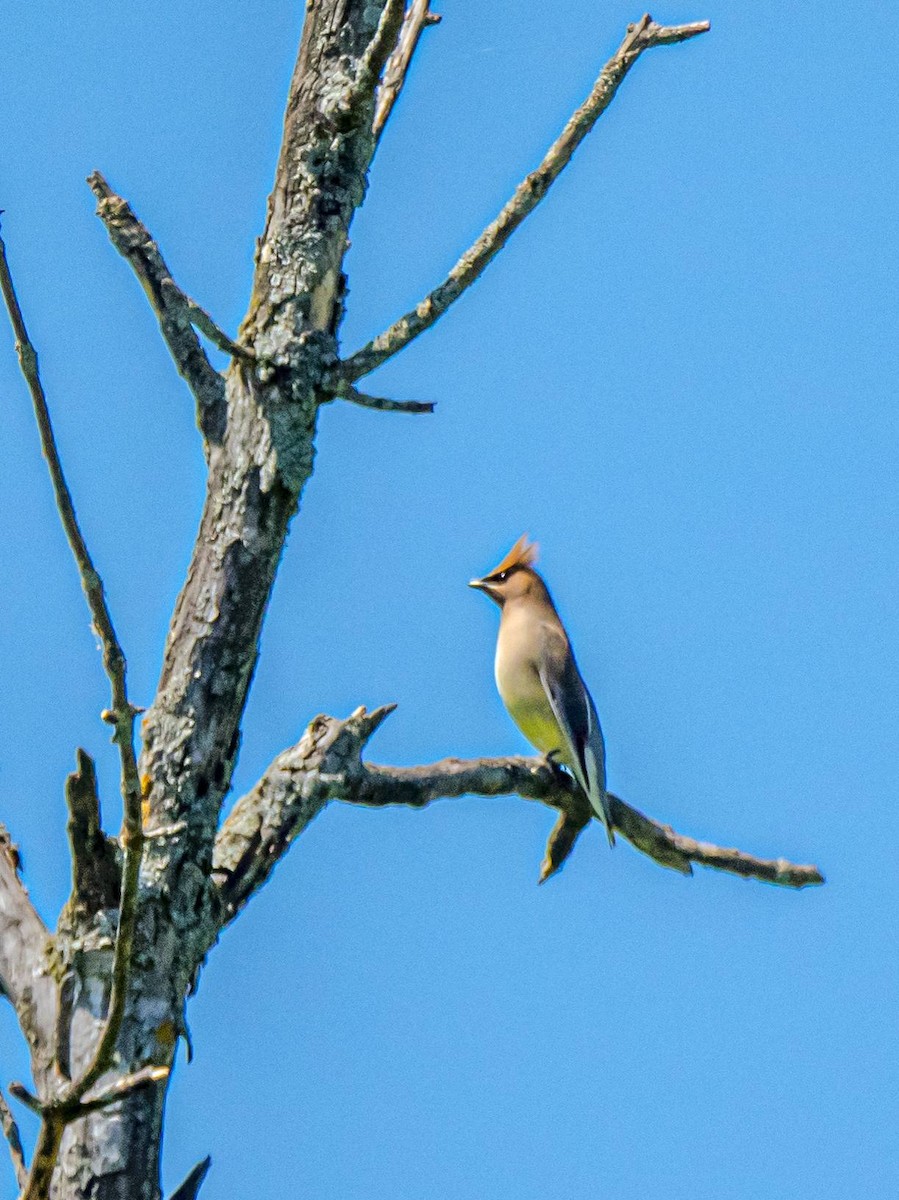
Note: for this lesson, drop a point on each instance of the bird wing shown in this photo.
(575, 712)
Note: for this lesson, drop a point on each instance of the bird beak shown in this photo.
(480, 584)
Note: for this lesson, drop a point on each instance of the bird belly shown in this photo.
(526, 701)
(541, 729)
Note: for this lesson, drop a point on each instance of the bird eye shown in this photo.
(501, 577)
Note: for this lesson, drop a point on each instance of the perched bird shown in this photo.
(538, 679)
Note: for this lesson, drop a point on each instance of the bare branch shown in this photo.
(642, 36)
(11, 1133)
(21, 1093)
(534, 779)
(116, 1091)
(418, 17)
(567, 829)
(96, 879)
(346, 391)
(176, 312)
(191, 1184)
(326, 764)
(120, 716)
(24, 974)
(371, 65)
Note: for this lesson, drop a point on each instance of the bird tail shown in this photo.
(598, 796)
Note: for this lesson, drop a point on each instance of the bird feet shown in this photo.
(552, 762)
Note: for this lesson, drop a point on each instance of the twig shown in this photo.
(567, 829)
(191, 1184)
(119, 1090)
(346, 391)
(418, 17)
(11, 1133)
(120, 716)
(201, 320)
(70, 1107)
(642, 36)
(176, 312)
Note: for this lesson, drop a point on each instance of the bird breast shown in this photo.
(519, 685)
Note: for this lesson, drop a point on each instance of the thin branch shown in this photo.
(642, 36)
(21, 1093)
(418, 17)
(191, 1184)
(71, 1107)
(371, 65)
(122, 713)
(176, 312)
(11, 1133)
(346, 391)
(118, 1091)
(120, 716)
(201, 320)
(326, 764)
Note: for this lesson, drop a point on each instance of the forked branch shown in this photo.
(120, 716)
(326, 764)
(644, 35)
(346, 391)
(418, 17)
(177, 313)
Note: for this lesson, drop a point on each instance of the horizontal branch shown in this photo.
(176, 312)
(643, 35)
(66, 1109)
(534, 779)
(346, 391)
(326, 764)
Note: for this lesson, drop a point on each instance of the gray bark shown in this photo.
(260, 456)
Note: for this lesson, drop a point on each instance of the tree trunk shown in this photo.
(260, 454)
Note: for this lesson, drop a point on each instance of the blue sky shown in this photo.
(680, 377)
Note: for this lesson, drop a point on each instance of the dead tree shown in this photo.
(101, 1000)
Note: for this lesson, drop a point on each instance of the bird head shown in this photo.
(514, 577)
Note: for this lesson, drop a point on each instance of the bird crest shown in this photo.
(522, 554)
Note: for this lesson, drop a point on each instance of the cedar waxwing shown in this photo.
(538, 679)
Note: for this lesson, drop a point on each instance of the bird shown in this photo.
(538, 678)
